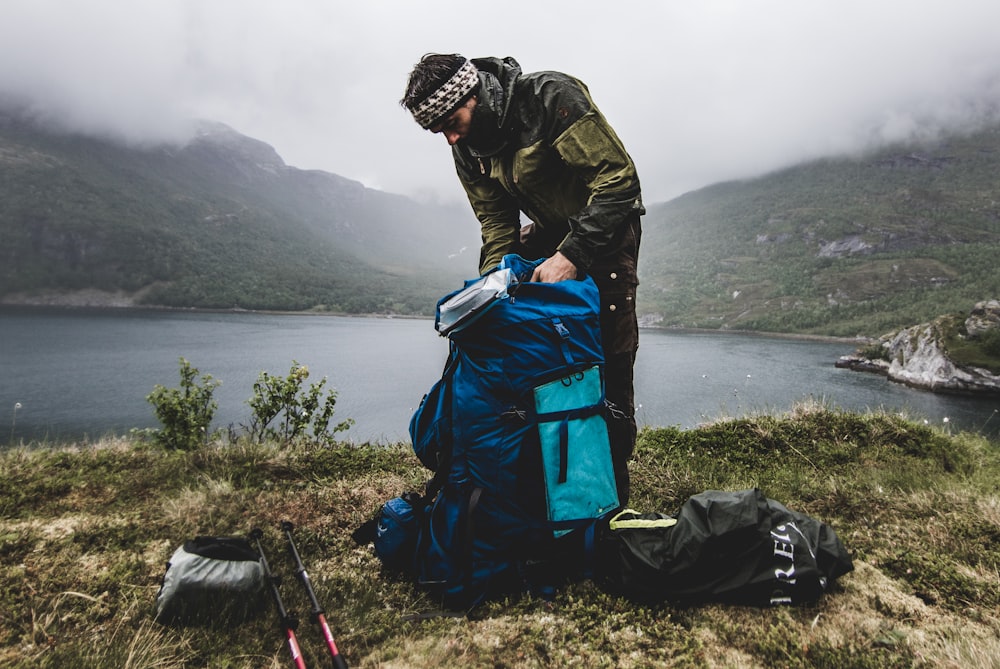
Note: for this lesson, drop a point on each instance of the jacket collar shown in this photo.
(496, 92)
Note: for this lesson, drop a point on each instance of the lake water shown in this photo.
(87, 372)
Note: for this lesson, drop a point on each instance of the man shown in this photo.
(536, 144)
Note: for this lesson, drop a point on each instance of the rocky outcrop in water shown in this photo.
(918, 357)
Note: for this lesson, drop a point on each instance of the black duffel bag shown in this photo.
(732, 547)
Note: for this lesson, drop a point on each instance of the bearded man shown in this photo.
(536, 144)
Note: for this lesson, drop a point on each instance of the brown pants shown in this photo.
(615, 276)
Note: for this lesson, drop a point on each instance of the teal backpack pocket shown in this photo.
(576, 451)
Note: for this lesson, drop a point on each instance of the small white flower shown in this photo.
(17, 405)
(946, 419)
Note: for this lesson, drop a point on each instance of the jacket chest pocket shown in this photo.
(538, 177)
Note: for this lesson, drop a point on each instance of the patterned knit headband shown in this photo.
(446, 99)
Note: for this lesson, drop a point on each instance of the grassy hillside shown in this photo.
(842, 247)
(219, 223)
(85, 532)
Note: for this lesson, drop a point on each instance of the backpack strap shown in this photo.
(564, 417)
(469, 533)
(564, 336)
(437, 481)
(367, 531)
(589, 541)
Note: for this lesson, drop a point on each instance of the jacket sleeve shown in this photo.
(594, 152)
(497, 210)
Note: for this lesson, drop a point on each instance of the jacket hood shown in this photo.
(497, 77)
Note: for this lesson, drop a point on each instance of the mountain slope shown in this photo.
(838, 246)
(844, 246)
(221, 222)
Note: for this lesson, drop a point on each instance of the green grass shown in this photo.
(983, 351)
(85, 531)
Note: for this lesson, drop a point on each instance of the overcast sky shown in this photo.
(699, 90)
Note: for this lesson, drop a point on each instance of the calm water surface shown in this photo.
(87, 372)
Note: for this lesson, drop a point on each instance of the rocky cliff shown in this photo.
(919, 356)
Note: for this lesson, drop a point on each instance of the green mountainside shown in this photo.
(219, 223)
(844, 246)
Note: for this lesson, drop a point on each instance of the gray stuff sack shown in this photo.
(211, 579)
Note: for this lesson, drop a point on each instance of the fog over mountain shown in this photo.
(700, 92)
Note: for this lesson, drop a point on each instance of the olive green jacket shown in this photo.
(560, 163)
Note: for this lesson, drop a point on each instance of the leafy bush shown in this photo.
(284, 411)
(876, 351)
(185, 412)
(980, 350)
(990, 342)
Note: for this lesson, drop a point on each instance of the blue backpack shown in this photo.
(515, 432)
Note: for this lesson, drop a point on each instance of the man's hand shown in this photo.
(554, 269)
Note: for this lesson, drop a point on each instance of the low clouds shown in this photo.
(699, 91)
(88, 68)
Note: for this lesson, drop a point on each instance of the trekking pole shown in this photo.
(288, 622)
(317, 610)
